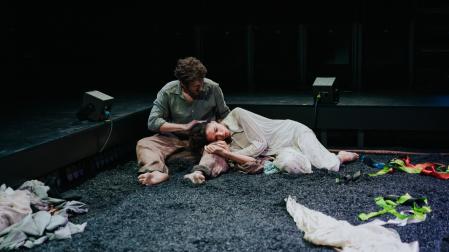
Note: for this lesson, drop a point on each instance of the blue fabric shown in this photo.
(368, 161)
(270, 168)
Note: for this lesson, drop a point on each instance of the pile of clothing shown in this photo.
(29, 217)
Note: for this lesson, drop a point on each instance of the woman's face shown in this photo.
(216, 131)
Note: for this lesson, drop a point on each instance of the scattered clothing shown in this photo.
(49, 222)
(389, 204)
(437, 170)
(30, 231)
(38, 195)
(270, 168)
(368, 161)
(344, 179)
(14, 206)
(321, 229)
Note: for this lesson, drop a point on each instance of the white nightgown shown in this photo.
(295, 145)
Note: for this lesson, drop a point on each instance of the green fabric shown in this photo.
(383, 171)
(389, 206)
(395, 164)
(442, 168)
(400, 165)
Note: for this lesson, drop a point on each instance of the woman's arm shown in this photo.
(247, 121)
(225, 153)
(239, 158)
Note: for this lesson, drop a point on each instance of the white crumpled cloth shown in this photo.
(321, 229)
(19, 227)
(14, 206)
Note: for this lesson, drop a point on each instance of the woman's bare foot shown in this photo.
(346, 156)
(195, 177)
(152, 178)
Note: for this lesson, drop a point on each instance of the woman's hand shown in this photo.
(221, 148)
(221, 144)
(215, 149)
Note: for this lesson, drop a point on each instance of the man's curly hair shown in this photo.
(190, 69)
(197, 138)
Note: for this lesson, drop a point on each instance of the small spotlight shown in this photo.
(324, 90)
(96, 106)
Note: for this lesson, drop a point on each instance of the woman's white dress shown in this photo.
(295, 145)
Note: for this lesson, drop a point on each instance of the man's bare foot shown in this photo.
(346, 156)
(152, 178)
(195, 177)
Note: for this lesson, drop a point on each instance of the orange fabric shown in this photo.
(428, 168)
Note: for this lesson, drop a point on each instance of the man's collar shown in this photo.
(178, 89)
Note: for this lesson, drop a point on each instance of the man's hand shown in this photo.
(189, 125)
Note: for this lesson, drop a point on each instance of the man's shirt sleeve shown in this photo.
(159, 112)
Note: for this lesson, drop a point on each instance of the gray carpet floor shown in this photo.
(239, 212)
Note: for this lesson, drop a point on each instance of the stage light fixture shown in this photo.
(324, 90)
(96, 106)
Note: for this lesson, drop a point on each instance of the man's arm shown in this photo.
(159, 111)
(176, 127)
(159, 114)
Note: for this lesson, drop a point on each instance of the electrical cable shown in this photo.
(315, 111)
(109, 136)
(393, 152)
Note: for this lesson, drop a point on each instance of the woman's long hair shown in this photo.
(197, 138)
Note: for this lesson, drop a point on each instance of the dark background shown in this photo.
(52, 52)
(56, 51)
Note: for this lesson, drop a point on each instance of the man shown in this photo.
(179, 105)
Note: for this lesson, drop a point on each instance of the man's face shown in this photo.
(216, 131)
(194, 88)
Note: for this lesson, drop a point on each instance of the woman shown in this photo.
(293, 145)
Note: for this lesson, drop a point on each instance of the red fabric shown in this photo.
(428, 168)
